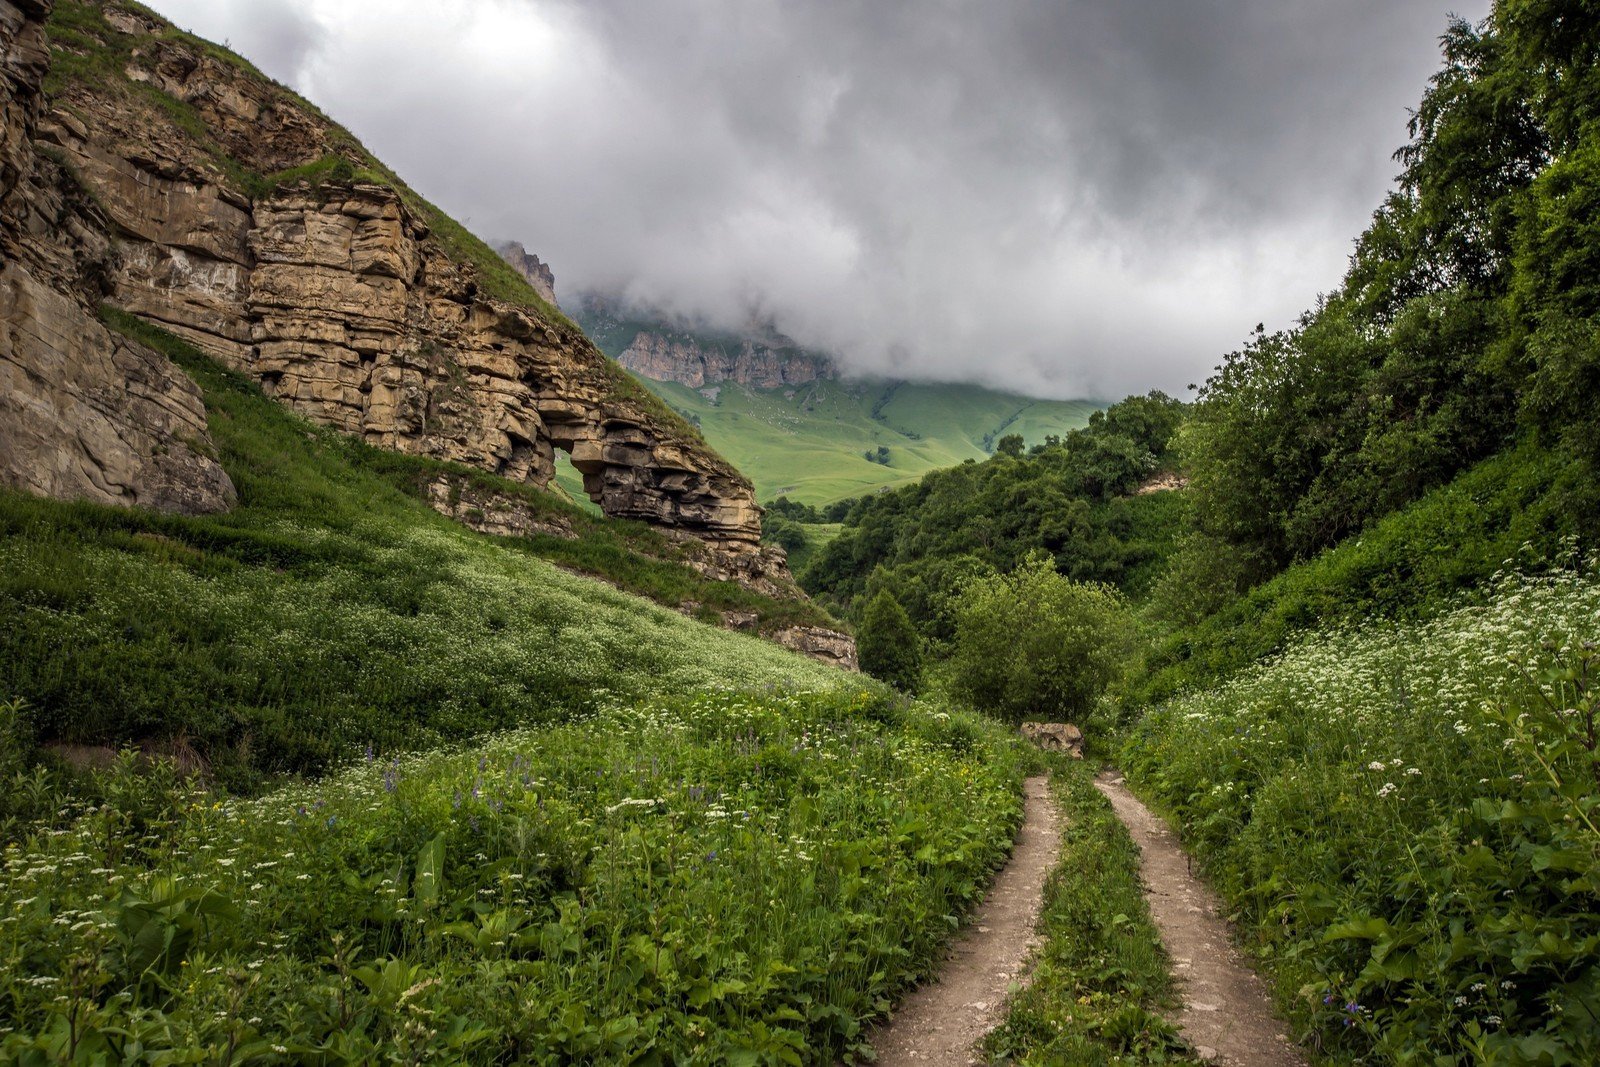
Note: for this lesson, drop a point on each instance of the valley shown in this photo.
(798, 428)
(397, 667)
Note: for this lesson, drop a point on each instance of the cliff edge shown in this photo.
(232, 213)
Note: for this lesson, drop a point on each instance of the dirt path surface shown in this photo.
(1227, 1013)
(942, 1022)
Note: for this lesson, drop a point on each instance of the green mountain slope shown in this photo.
(333, 609)
(810, 442)
(818, 442)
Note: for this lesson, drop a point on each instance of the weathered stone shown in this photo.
(84, 412)
(492, 513)
(753, 362)
(828, 646)
(533, 269)
(1055, 737)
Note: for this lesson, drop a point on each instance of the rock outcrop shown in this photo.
(84, 412)
(334, 292)
(1055, 737)
(672, 357)
(264, 235)
(532, 269)
(828, 646)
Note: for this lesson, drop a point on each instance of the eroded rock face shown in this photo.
(759, 365)
(534, 270)
(336, 297)
(84, 412)
(829, 646)
(492, 513)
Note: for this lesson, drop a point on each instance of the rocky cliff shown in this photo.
(652, 344)
(669, 357)
(84, 412)
(532, 269)
(240, 218)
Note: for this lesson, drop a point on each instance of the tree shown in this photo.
(888, 644)
(1010, 445)
(1033, 642)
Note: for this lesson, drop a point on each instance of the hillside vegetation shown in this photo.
(332, 610)
(831, 439)
(1071, 498)
(518, 815)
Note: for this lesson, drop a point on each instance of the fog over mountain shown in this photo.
(1071, 198)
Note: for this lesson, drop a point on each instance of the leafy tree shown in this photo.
(782, 531)
(794, 509)
(889, 646)
(1068, 497)
(1009, 445)
(1034, 642)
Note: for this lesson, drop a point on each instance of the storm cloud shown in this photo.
(1086, 197)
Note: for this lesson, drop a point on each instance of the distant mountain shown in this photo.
(798, 428)
(533, 269)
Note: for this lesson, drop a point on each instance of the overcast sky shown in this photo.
(1085, 197)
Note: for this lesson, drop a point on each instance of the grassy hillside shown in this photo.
(721, 878)
(1405, 814)
(810, 442)
(333, 610)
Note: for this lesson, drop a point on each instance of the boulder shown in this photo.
(1055, 737)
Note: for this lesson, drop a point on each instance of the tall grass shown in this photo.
(722, 878)
(1407, 813)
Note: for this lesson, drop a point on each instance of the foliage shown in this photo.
(1468, 315)
(1067, 497)
(1101, 981)
(888, 645)
(1036, 644)
(329, 610)
(719, 878)
(1411, 564)
(1406, 814)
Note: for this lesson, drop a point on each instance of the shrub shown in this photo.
(889, 646)
(1034, 643)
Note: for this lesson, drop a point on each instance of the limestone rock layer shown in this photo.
(264, 235)
(84, 412)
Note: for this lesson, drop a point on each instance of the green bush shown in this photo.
(888, 645)
(1033, 643)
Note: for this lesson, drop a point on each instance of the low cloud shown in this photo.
(1065, 198)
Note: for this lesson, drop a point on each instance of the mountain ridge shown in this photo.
(796, 423)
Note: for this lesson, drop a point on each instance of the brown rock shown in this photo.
(84, 412)
(1055, 737)
(829, 646)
